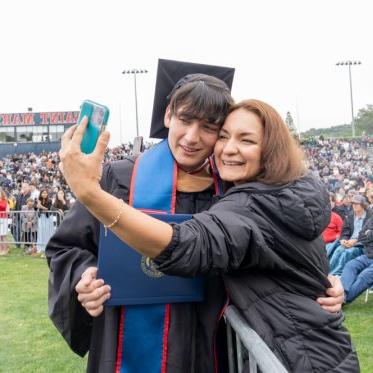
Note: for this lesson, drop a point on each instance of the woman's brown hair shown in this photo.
(282, 160)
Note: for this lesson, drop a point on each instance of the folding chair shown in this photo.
(368, 291)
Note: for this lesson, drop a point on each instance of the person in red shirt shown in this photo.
(333, 231)
(4, 248)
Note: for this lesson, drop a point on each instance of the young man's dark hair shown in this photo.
(201, 97)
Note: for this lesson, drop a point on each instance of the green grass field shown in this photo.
(30, 343)
(28, 340)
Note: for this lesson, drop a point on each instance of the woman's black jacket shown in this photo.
(265, 240)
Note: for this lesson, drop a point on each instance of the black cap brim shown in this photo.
(168, 74)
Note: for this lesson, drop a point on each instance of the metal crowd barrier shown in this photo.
(29, 228)
(259, 354)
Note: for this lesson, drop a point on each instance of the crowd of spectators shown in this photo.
(41, 172)
(345, 168)
(33, 185)
(342, 165)
(36, 197)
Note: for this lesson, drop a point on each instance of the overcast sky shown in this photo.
(56, 54)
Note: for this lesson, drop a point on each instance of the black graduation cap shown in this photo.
(168, 74)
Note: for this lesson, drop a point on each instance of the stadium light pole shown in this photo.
(134, 72)
(349, 64)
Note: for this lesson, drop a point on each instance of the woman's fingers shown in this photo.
(66, 137)
(79, 132)
(101, 145)
(74, 135)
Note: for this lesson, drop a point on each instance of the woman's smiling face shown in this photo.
(238, 149)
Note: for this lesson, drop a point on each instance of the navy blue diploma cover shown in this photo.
(135, 280)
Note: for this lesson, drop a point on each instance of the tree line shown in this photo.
(363, 126)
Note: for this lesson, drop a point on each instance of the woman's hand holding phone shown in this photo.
(82, 171)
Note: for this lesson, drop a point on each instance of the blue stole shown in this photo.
(143, 330)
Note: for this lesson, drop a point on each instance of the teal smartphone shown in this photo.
(98, 116)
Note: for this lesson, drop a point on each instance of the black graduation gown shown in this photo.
(73, 248)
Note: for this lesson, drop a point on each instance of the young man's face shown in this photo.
(191, 141)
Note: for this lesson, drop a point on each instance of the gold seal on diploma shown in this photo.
(149, 268)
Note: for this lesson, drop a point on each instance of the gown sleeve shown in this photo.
(71, 250)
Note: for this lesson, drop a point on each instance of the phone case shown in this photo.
(95, 124)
